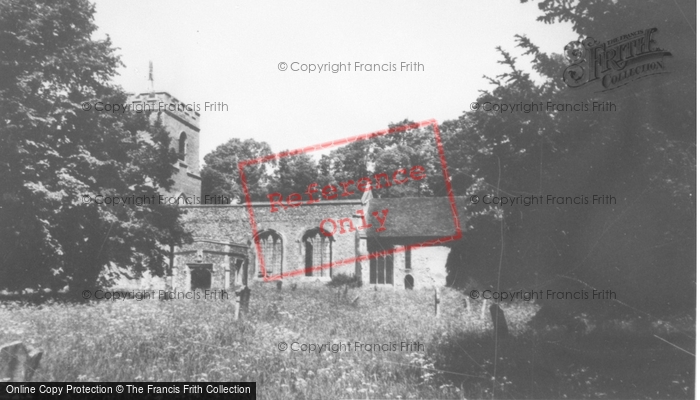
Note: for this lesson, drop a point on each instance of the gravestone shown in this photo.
(18, 362)
(242, 302)
(498, 318)
(437, 302)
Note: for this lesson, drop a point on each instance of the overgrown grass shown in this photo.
(198, 340)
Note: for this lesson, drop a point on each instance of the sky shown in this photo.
(229, 52)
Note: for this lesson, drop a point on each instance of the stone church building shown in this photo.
(291, 243)
(230, 245)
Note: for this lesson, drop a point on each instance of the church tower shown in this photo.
(182, 122)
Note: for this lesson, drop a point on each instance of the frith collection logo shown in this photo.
(616, 62)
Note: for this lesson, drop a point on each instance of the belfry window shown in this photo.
(182, 147)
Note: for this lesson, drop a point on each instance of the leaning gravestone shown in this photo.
(499, 321)
(437, 301)
(242, 302)
(18, 362)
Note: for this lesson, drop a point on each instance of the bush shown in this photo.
(339, 280)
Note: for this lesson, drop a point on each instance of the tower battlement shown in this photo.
(164, 101)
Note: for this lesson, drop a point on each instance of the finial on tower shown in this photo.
(150, 75)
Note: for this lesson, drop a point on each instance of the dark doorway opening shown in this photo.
(200, 278)
(408, 282)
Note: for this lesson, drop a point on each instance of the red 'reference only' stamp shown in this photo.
(347, 188)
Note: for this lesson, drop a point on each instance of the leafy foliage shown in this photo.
(642, 154)
(294, 174)
(52, 153)
(221, 176)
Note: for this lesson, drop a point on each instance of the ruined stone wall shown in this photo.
(428, 266)
(231, 223)
(216, 228)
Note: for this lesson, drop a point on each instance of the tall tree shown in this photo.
(642, 154)
(220, 175)
(408, 148)
(54, 156)
(294, 174)
(404, 148)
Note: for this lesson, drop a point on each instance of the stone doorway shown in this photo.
(200, 277)
(408, 282)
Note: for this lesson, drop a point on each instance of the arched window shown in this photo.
(271, 245)
(318, 250)
(182, 147)
(182, 199)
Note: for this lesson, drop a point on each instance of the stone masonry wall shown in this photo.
(231, 223)
(187, 179)
(217, 227)
(428, 266)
